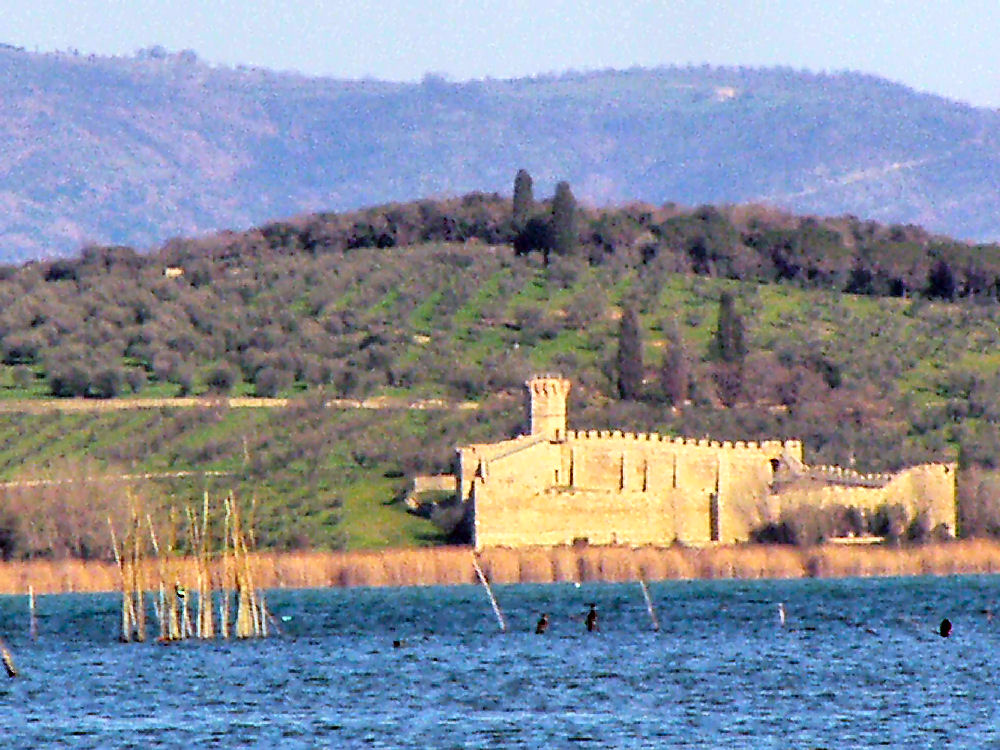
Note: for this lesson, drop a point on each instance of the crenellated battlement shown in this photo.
(739, 446)
(838, 475)
(548, 395)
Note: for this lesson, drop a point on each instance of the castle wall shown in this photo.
(475, 458)
(721, 488)
(927, 489)
(744, 486)
(567, 516)
(556, 486)
(637, 488)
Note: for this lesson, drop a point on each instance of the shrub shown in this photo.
(107, 382)
(68, 380)
(136, 379)
(184, 378)
(221, 379)
(22, 377)
(269, 381)
(889, 521)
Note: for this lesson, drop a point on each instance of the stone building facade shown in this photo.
(556, 486)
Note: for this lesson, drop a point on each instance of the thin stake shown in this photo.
(138, 577)
(206, 625)
(32, 622)
(649, 605)
(127, 619)
(161, 608)
(263, 613)
(489, 593)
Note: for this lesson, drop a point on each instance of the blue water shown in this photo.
(857, 664)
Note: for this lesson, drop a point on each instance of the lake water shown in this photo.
(857, 664)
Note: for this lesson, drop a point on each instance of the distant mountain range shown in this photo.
(136, 150)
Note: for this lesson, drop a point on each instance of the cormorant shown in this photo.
(591, 619)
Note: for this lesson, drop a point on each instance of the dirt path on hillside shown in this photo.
(49, 405)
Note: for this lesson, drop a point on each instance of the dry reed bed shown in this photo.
(453, 565)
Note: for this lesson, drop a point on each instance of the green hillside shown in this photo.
(876, 381)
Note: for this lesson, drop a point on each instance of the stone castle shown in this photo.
(555, 486)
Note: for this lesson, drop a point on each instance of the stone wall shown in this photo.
(928, 489)
(633, 488)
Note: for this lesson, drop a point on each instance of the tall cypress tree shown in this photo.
(728, 345)
(729, 351)
(675, 371)
(629, 356)
(564, 238)
(524, 198)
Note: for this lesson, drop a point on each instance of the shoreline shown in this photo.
(428, 566)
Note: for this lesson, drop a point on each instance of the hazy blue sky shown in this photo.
(947, 47)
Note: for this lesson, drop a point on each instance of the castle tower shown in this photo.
(548, 395)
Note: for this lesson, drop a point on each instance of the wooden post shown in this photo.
(138, 577)
(161, 609)
(649, 605)
(489, 593)
(126, 634)
(224, 604)
(262, 604)
(206, 625)
(32, 622)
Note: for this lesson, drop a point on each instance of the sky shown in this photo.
(946, 47)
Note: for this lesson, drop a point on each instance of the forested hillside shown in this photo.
(136, 150)
(876, 345)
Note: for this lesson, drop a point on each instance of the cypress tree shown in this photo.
(629, 356)
(675, 372)
(729, 351)
(524, 199)
(564, 220)
(728, 345)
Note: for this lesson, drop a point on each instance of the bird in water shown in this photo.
(591, 619)
(543, 624)
(944, 630)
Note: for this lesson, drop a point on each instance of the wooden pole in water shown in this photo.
(262, 612)
(649, 605)
(161, 607)
(8, 659)
(489, 593)
(224, 588)
(126, 634)
(138, 576)
(206, 624)
(32, 622)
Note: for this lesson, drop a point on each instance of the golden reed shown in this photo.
(453, 565)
